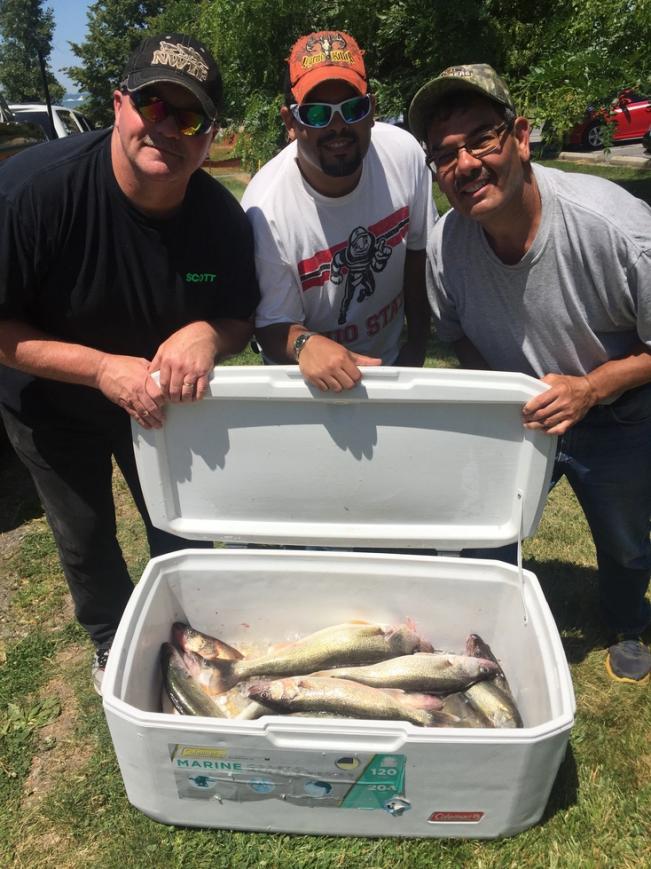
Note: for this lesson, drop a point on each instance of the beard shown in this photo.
(340, 165)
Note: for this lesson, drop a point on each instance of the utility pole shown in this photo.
(46, 91)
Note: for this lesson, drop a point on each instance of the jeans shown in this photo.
(71, 466)
(606, 458)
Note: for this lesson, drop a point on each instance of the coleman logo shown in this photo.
(181, 57)
(201, 751)
(455, 817)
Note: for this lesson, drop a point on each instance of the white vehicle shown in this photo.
(67, 122)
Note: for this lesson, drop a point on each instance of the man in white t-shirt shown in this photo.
(341, 218)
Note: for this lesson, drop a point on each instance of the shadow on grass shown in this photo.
(18, 499)
(565, 790)
(572, 594)
(639, 187)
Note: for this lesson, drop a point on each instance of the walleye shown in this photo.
(496, 702)
(318, 694)
(181, 686)
(457, 704)
(345, 644)
(438, 672)
(191, 640)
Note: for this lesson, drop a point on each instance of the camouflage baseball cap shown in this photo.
(478, 77)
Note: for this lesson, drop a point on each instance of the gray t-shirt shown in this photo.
(580, 296)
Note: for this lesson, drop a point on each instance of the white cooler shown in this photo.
(408, 458)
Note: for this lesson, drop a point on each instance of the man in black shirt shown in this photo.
(119, 257)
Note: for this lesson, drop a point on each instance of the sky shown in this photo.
(70, 25)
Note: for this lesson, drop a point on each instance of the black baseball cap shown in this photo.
(178, 59)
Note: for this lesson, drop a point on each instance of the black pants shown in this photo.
(72, 470)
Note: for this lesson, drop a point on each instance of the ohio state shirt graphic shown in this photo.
(353, 263)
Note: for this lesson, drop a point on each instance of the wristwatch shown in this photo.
(301, 341)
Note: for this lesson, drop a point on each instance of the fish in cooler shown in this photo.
(344, 644)
(182, 687)
(494, 699)
(189, 639)
(354, 669)
(437, 672)
(352, 699)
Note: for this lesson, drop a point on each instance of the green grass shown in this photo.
(636, 181)
(62, 800)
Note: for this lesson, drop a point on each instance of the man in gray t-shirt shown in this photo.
(549, 273)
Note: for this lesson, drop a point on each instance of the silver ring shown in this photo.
(145, 413)
(189, 383)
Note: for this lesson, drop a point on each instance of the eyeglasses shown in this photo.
(318, 115)
(479, 145)
(154, 109)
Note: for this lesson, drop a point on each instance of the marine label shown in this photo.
(306, 778)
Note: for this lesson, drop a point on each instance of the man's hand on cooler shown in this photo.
(185, 361)
(559, 408)
(329, 366)
(126, 381)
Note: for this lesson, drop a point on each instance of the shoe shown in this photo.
(97, 668)
(629, 661)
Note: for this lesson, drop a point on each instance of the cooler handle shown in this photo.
(382, 740)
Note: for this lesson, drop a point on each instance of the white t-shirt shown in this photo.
(336, 264)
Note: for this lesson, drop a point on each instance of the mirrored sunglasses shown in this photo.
(319, 115)
(154, 109)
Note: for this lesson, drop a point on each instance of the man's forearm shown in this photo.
(231, 336)
(417, 310)
(618, 375)
(468, 355)
(277, 341)
(35, 352)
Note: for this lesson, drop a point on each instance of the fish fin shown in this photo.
(213, 676)
(444, 719)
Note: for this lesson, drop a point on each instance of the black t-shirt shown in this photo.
(80, 262)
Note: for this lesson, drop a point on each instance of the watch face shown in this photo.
(301, 341)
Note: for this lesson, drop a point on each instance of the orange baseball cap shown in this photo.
(324, 56)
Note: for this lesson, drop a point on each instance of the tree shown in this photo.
(406, 42)
(582, 52)
(26, 30)
(115, 27)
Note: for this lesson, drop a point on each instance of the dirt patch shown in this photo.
(58, 751)
(59, 756)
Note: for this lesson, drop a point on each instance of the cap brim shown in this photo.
(138, 80)
(430, 94)
(316, 77)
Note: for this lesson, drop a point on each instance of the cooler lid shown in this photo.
(428, 458)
